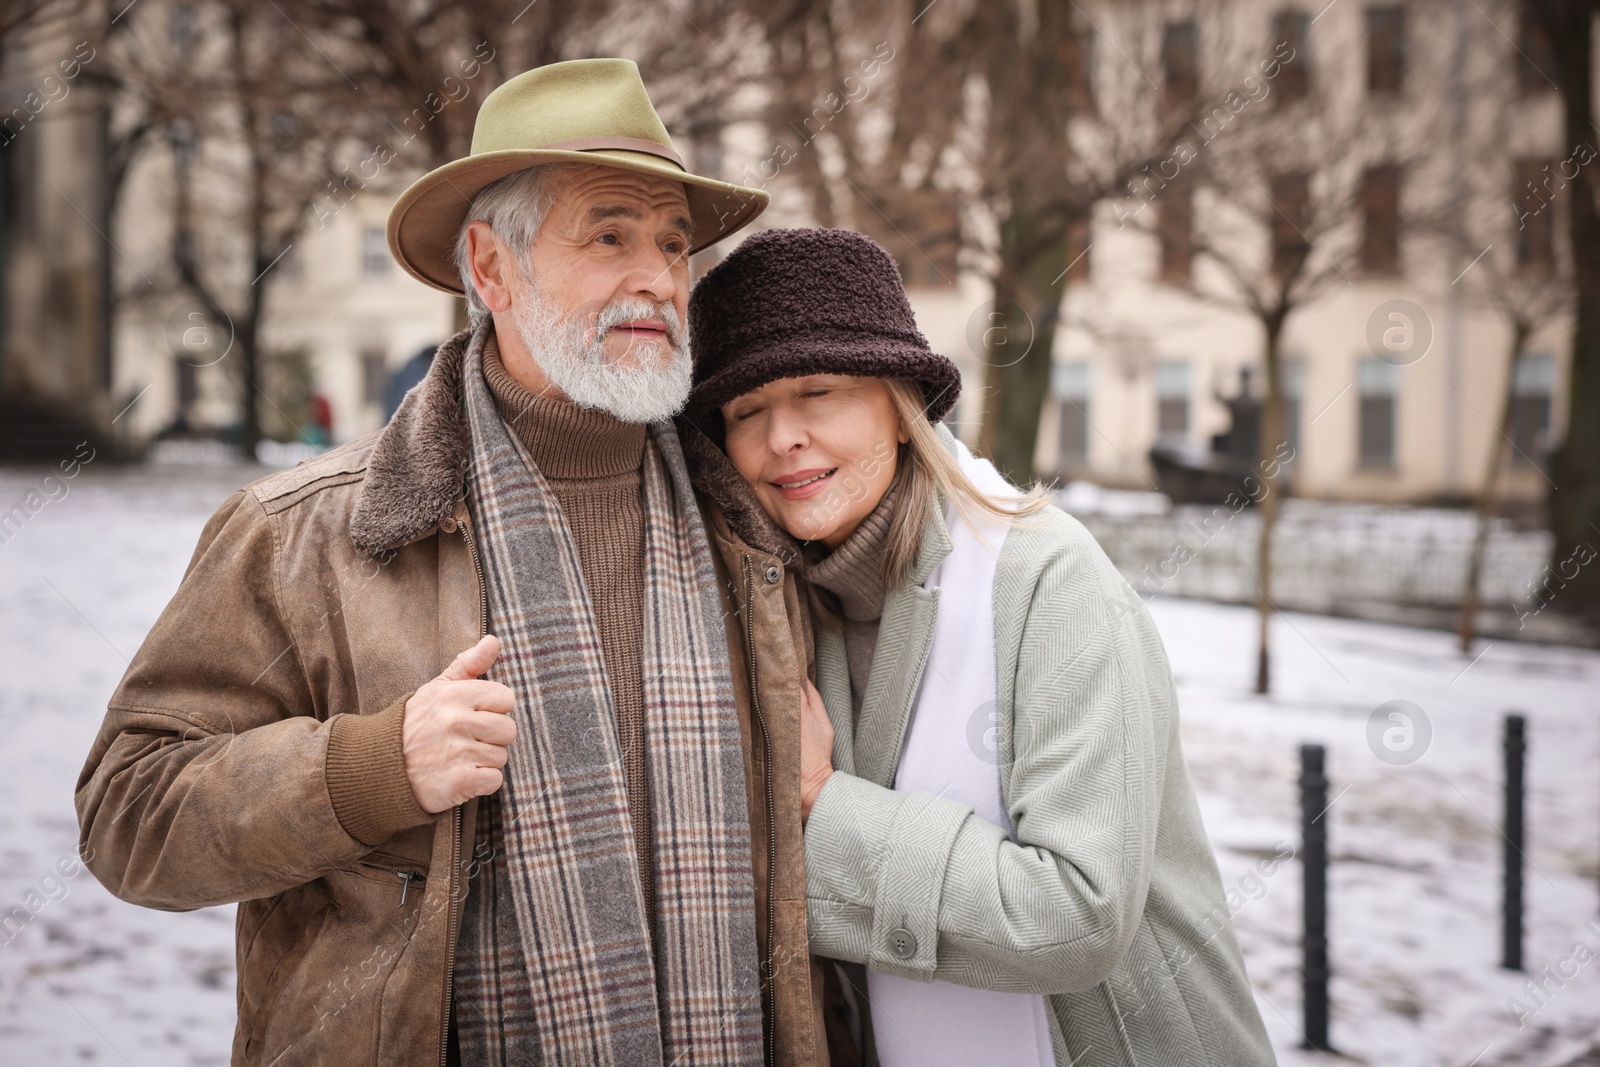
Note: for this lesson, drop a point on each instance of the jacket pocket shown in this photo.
(269, 967)
(405, 876)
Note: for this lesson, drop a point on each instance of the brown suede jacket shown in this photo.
(252, 751)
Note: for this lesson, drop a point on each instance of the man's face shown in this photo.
(614, 238)
(595, 310)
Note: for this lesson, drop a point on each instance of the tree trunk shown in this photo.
(1018, 340)
(250, 330)
(249, 333)
(249, 406)
(1575, 500)
(1467, 625)
(1269, 471)
(1031, 102)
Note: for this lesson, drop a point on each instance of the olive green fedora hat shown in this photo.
(582, 111)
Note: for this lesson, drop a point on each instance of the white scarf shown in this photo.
(949, 751)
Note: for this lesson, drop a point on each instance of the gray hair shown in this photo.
(514, 207)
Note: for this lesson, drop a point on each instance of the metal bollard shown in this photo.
(1516, 749)
(1314, 863)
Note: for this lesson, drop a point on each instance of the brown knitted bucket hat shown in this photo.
(787, 303)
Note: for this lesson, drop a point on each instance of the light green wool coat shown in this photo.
(1110, 903)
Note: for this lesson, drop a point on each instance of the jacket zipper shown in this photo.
(768, 996)
(450, 939)
(483, 588)
(406, 876)
(454, 918)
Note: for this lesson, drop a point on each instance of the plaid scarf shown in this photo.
(555, 963)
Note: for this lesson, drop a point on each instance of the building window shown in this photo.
(374, 253)
(1180, 63)
(1293, 28)
(1530, 408)
(1380, 211)
(374, 373)
(1291, 204)
(1535, 59)
(1532, 203)
(1071, 384)
(1378, 382)
(1175, 231)
(1386, 49)
(1172, 399)
(1294, 378)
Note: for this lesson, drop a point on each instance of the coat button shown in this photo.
(448, 524)
(773, 574)
(903, 943)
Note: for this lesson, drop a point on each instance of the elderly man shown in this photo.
(448, 710)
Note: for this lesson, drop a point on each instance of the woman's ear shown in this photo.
(905, 431)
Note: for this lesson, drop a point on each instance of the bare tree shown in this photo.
(1527, 299)
(19, 16)
(987, 130)
(424, 68)
(253, 121)
(1279, 199)
(1566, 33)
(276, 116)
(1509, 208)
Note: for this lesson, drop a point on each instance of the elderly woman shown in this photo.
(1002, 846)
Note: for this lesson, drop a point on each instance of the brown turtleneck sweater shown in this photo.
(594, 463)
(853, 572)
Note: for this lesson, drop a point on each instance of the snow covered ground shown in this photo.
(1414, 886)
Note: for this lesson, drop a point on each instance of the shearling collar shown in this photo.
(417, 471)
(418, 467)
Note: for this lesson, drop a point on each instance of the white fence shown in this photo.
(1377, 561)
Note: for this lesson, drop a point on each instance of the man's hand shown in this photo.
(816, 748)
(457, 729)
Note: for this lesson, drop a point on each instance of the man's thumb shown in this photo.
(474, 661)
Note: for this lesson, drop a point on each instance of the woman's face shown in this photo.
(820, 451)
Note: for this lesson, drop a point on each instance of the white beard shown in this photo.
(652, 388)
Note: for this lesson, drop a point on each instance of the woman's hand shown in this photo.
(816, 748)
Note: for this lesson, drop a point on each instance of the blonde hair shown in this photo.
(928, 472)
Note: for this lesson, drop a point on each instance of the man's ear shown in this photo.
(491, 266)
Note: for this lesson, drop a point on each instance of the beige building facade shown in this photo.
(340, 314)
(1140, 359)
